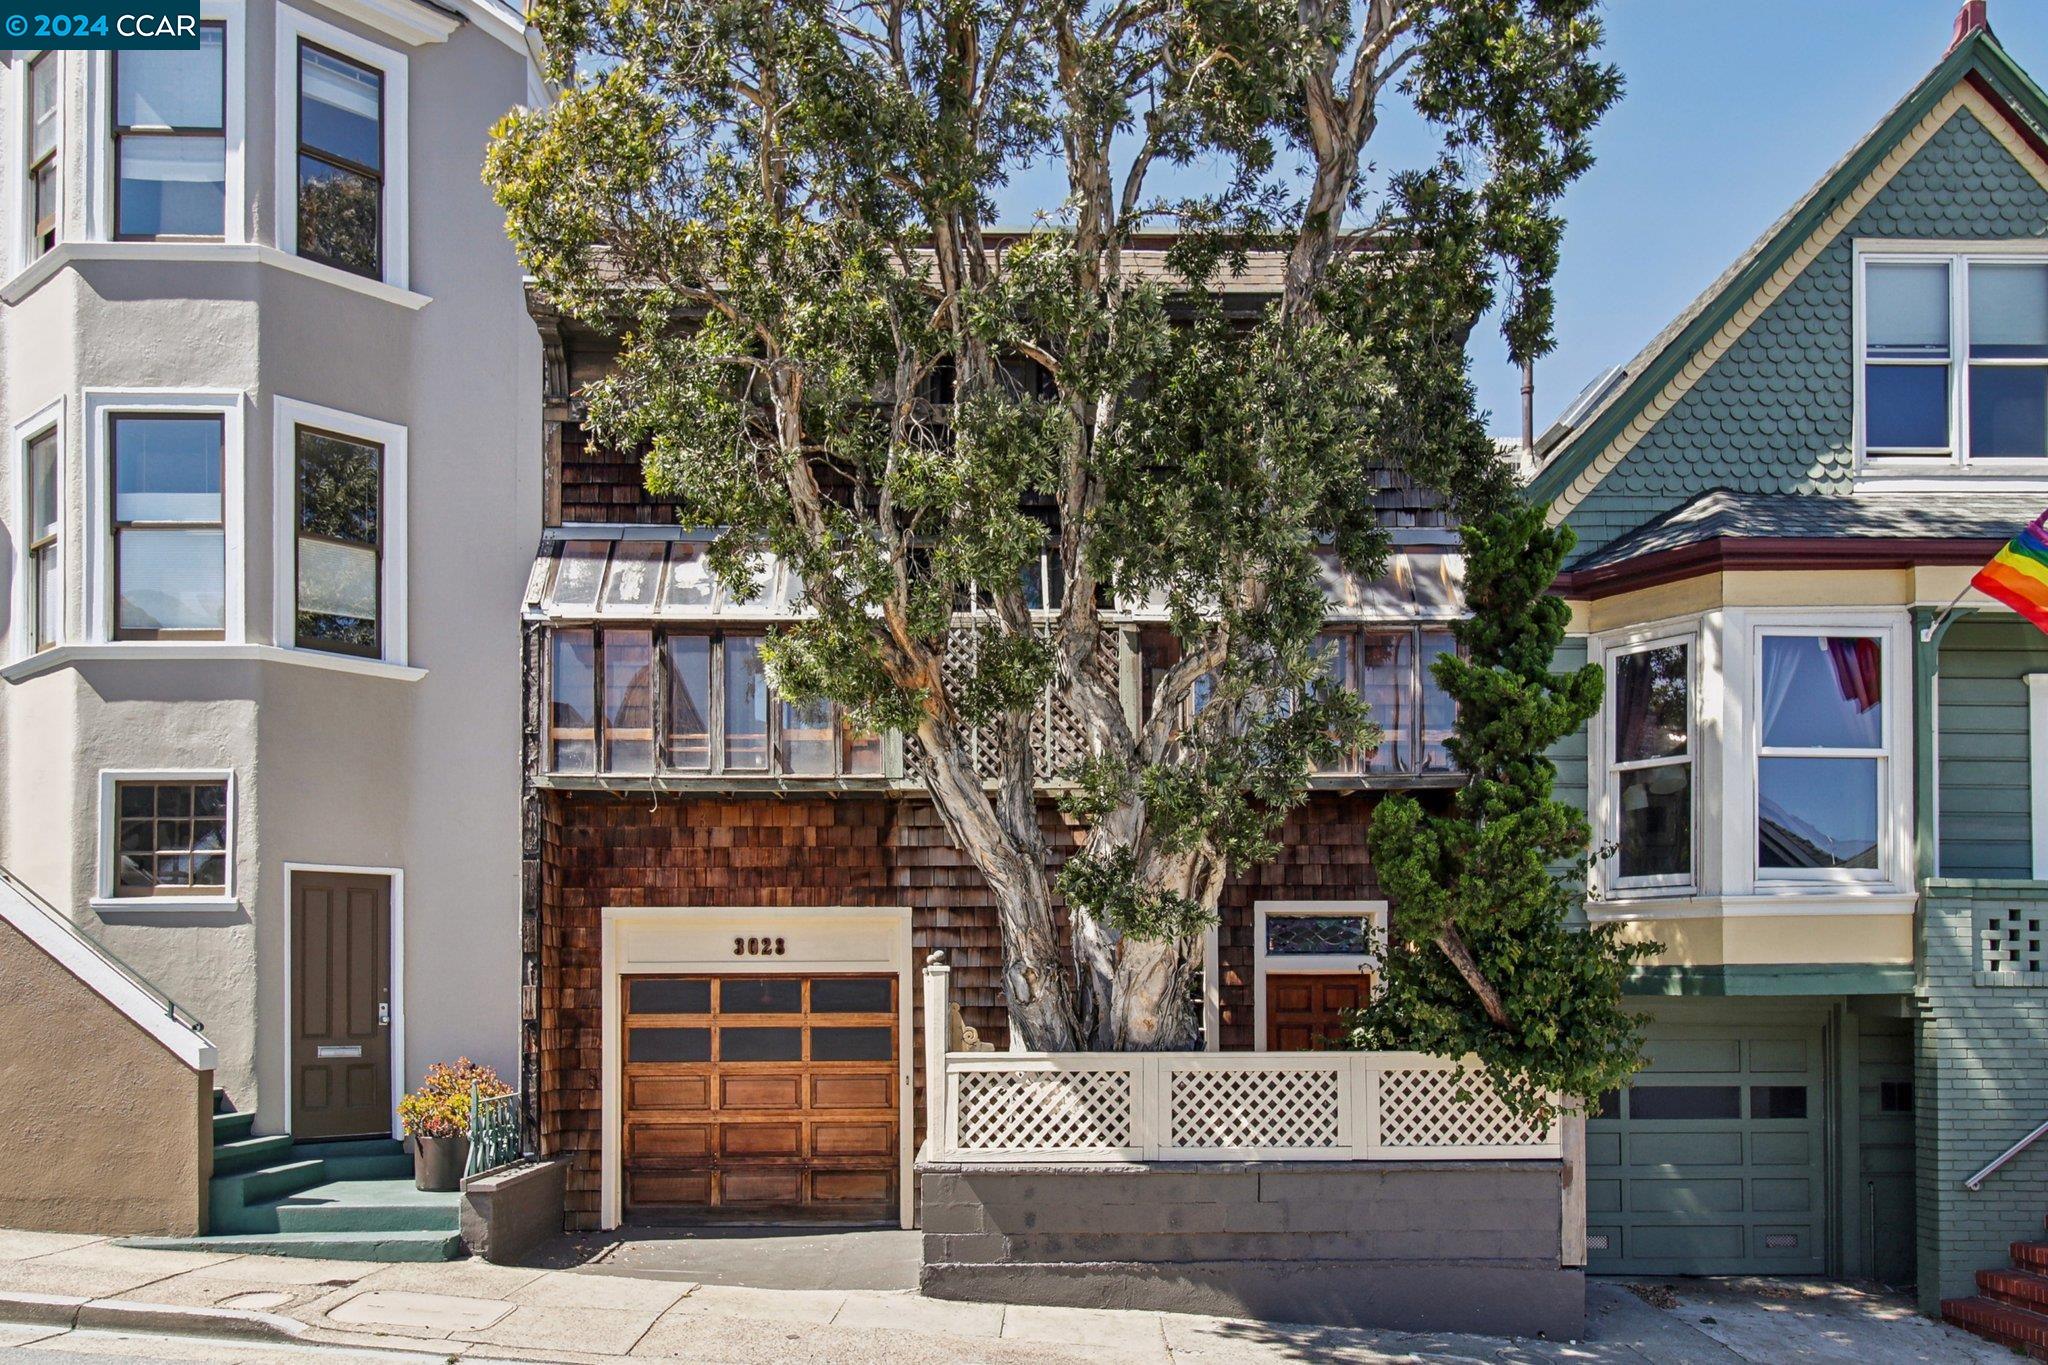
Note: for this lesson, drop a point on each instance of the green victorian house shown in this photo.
(1820, 782)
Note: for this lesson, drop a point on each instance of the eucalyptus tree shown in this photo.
(785, 209)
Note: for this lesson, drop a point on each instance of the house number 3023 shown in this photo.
(756, 947)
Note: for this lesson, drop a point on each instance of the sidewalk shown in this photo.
(474, 1311)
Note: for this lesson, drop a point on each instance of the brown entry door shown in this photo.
(760, 1098)
(341, 1005)
(1307, 1013)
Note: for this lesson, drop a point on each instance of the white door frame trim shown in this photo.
(1373, 912)
(396, 876)
(896, 922)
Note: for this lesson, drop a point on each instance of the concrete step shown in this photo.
(2016, 1329)
(231, 1127)
(2031, 1256)
(249, 1153)
(332, 1246)
(233, 1200)
(2020, 1288)
(358, 1158)
(220, 1101)
(367, 1206)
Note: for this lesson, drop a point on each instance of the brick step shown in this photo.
(2020, 1288)
(2017, 1329)
(2031, 1256)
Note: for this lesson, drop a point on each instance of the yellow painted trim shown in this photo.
(1963, 96)
(1759, 940)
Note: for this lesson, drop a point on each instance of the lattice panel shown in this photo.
(1421, 1108)
(1289, 1109)
(2010, 941)
(1040, 1111)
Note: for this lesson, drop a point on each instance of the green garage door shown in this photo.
(1712, 1163)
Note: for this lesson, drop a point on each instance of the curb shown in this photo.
(125, 1315)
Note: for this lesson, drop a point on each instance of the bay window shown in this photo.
(688, 703)
(339, 542)
(170, 140)
(167, 527)
(1822, 777)
(44, 103)
(1650, 764)
(45, 576)
(1953, 366)
(1391, 670)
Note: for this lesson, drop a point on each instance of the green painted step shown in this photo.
(332, 1246)
(231, 1127)
(234, 1201)
(359, 1158)
(250, 1153)
(367, 1206)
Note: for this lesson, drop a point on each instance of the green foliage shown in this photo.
(783, 209)
(1489, 868)
(440, 1107)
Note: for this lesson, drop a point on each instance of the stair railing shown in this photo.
(493, 1130)
(1977, 1181)
(174, 1011)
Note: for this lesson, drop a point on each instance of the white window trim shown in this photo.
(96, 157)
(1374, 913)
(66, 254)
(100, 406)
(20, 251)
(288, 414)
(1703, 632)
(1609, 804)
(292, 25)
(2037, 769)
(1932, 471)
(1895, 767)
(49, 418)
(104, 898)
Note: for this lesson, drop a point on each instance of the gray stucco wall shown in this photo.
(1415, 1246)
(331, 767)
(1775, 413)
(1986, 772)
(1979, 1085)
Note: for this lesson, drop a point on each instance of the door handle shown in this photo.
(384, 1013)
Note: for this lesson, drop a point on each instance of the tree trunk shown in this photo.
(1452, 943)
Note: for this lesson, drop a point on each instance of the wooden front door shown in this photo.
(1309, 1012)
(760, 1097)
(341, 1005)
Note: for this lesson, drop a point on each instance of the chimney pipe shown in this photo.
(1974, 14)
(1529, 414)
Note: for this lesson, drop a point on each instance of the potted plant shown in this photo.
(436, 1118)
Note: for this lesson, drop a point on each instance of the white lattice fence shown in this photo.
(1227, 1106)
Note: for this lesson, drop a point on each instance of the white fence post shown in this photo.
(938, 1023)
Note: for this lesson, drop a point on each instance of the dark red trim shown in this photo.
(2019, 125)
(1723, 553)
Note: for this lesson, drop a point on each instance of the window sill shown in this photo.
(65, 656)
(32, 276)
(162, 905)
(2031, 478)
(1818, 900)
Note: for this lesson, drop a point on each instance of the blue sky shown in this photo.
(1733, 109)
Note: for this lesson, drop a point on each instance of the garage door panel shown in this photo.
(1793, 1243)
(1781, 1149)
(1603, 1196)
(1688, 1149)
(1778, 1055)
(1685, 1195)
(1781, 1196)
(1701, 1244)
(762, 1096)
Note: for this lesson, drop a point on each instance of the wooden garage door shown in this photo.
(761, 1097)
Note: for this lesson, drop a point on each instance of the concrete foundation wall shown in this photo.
(1414, 1246)
(105, 1131)
(507, 1213)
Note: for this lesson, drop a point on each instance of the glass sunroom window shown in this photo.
(1821, 761)
(170, 140)
(1650, 768)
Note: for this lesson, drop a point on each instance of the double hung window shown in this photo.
(168, 535)
(1822, 772)
(170, 141)
(1650, 764)
(45, 574)
(340, 161)
(44, 96)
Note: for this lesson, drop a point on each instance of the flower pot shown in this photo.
(438, 1162)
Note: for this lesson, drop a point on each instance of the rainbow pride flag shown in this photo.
(2018, 574)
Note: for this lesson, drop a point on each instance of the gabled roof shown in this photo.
(1977, 74)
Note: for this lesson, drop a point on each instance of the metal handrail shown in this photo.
(1977, 1180)
(176, 1012)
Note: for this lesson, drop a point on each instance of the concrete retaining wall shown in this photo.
(508, 1212)
(1415, 1246)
